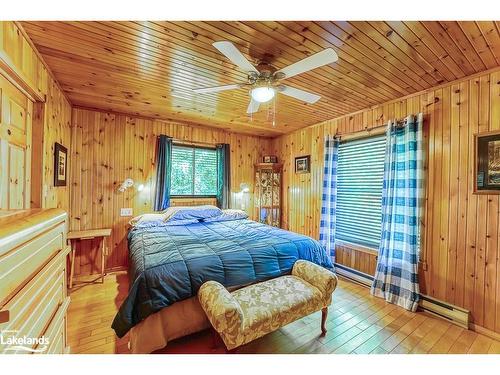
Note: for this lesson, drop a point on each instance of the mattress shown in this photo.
(169, 263)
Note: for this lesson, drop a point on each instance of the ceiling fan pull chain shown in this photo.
(274, 111)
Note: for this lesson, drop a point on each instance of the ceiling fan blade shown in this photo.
(207, 90)
(253, 106)
(299, 94)
(232, 53)
(325, 57)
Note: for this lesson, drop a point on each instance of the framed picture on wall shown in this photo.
(60, 164)
(487, 163)
(303, 164)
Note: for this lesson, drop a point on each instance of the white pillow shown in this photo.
(146, 218)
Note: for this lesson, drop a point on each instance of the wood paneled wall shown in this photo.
(22, 65)
(20, 61)
(460, 255)
(53, 119)
(363, 261)
(107, 148)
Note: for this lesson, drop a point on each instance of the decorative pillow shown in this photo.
(191, 213)
(147, 219)
(229, 214)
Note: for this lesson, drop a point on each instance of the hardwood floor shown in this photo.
(357, 323)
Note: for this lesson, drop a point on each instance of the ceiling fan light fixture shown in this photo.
(262, 94)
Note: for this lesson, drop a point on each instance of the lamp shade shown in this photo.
(262, 94)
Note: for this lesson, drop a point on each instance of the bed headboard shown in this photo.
(193, 201)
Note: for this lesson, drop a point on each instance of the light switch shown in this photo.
(126, 212)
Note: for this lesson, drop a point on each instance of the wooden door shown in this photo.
(15, 147)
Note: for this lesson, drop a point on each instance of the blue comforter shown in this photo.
(170, 263)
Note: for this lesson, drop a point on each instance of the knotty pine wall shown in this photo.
(51, 122)
(53, 117)
(460, 255)
(106, 148)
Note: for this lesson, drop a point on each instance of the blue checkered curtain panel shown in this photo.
(396, 277)
(329, 197)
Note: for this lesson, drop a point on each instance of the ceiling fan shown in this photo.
(264, 80)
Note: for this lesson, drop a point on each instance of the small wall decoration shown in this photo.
(487, 163)
(270, 159)
(60, 164)
(303, 164)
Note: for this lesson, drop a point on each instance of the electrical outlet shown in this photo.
(126, 212)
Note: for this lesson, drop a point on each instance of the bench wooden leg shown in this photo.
(324, 314)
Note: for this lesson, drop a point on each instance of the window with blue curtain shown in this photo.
(194, 171)
(359, 191)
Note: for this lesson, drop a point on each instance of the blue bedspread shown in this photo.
(170, 263)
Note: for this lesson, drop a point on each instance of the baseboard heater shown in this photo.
(354, 275)
(453, 314)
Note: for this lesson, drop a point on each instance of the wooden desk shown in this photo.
(89, 234)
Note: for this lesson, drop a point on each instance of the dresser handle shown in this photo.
(4, 316)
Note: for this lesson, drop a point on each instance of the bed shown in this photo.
(169, 263)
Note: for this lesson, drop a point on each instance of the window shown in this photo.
(194, 171)
(360, 176)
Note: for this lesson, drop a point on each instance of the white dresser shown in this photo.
(33, 298)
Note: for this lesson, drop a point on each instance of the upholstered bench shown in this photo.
(253, 311)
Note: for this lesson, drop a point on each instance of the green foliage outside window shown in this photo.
(194, 171)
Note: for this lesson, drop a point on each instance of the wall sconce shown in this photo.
(128, 183)
(242, 198)
(244, 188)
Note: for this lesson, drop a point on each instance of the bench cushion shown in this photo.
(272, 304)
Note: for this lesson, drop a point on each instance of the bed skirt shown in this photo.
(182, 318)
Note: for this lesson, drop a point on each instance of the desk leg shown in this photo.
(72, 271)
(103, 258)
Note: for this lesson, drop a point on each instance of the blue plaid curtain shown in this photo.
(396, 277)
(329, 197)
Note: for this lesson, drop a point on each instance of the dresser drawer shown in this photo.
(36, 305)
(21, 264)
(56, 332)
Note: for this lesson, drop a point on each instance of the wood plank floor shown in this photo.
(357, 323)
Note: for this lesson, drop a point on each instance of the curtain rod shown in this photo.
(376, 130)
(192, 143)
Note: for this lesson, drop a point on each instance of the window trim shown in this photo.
(192, 146)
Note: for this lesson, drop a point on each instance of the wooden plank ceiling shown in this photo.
(150, 68)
